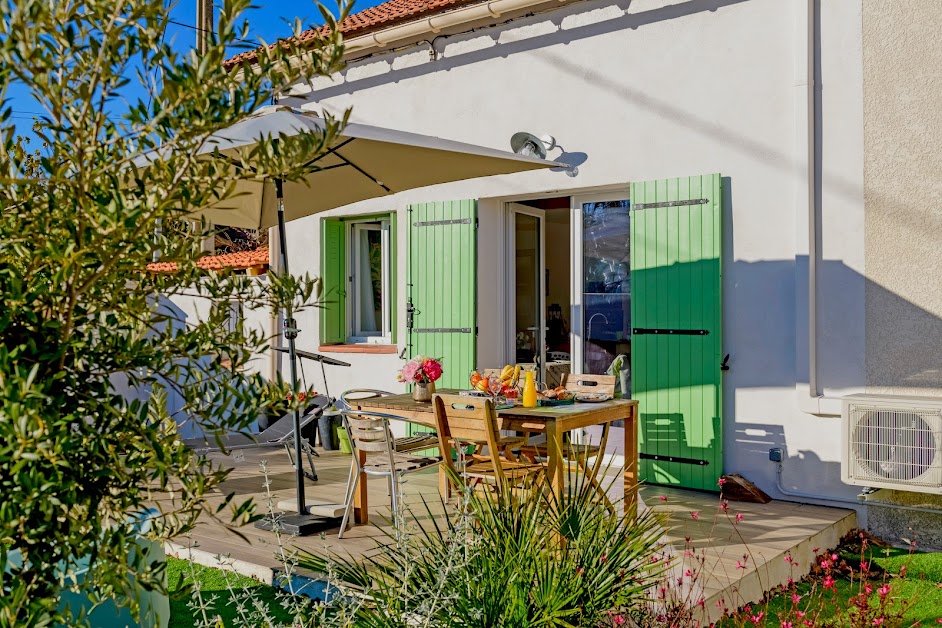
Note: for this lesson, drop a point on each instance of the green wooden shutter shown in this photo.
(334, 278)
(442, 286)
(676, 319)
(393, 279)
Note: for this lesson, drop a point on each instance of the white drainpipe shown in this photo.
(810, 400)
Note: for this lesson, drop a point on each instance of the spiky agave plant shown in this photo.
(504, 558)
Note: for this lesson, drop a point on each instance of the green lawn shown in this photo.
(920, 591)
(214, 584)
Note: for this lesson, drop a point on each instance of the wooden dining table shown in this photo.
(553, 421)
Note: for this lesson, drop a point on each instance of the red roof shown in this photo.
(239, 260)
(374, 18)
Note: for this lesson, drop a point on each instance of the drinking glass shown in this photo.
(494, 385)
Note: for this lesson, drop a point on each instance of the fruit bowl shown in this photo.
(497, 383)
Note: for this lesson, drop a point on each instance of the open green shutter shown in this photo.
(442, 286)
(676, 320)
(393, 281)
(334, 278)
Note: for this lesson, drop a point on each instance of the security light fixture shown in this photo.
(529, 145)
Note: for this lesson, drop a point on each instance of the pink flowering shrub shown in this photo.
(839, 591)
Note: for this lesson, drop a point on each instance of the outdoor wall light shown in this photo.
(529, 145)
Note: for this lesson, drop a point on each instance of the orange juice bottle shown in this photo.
(529, 391)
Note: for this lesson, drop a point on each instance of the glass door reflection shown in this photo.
(606, 285)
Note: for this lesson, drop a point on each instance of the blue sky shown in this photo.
(270, 20)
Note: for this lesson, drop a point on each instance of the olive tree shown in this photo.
(81, 317)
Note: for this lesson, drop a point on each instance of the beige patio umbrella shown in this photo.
(365, 162)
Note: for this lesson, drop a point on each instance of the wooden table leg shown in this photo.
(631, 463)
(555, 465)
(361, 506)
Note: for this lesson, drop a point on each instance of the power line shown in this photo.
(203, 30)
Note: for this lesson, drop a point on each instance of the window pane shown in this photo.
(370, 281)
(606, 284)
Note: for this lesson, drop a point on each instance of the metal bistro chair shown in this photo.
(370, 435)
(416, 442)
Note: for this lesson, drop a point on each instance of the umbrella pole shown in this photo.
(290, 331)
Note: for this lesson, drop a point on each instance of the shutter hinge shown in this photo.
(693, 201)
(640, 331)
(439, 223)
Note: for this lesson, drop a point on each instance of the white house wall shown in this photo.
(646, 90)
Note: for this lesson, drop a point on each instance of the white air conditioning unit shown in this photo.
(892, 442)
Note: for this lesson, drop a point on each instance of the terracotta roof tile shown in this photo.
(374, 18)
(239, 260)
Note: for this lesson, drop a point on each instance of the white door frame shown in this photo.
(510, 263)
(576, 327)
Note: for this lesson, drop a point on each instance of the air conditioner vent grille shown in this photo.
(895, 445)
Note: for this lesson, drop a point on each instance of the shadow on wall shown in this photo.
(760, 321)
(803, 471)
(561, 35)
(759, 325)
(490, 45)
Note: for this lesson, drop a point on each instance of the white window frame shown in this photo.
(511, 210)
(355, 335)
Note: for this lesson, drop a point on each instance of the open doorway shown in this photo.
(541, 304)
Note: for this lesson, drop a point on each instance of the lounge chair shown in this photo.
(280, 433)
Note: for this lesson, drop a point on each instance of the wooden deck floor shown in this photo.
(738, 561)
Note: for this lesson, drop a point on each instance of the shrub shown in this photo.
(82, 320)
(515, 559)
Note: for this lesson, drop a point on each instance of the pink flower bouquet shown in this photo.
(420, 370)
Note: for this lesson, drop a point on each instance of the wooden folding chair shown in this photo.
(578, 453)
(464, 421)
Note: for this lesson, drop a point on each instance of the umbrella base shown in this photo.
(299, 525)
